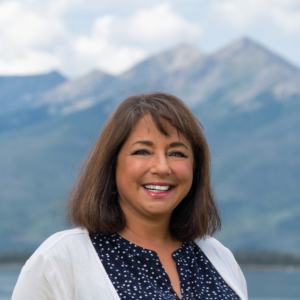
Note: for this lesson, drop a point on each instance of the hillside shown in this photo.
(18, 92)
(248, 100)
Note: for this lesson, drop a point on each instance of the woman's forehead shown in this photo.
(146, 127)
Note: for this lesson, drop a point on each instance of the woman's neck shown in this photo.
(147, 233)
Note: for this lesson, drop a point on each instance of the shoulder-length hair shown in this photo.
(93, 201)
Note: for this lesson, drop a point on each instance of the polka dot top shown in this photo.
(137, 273)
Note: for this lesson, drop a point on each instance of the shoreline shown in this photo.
(11, 266)
(268, 268)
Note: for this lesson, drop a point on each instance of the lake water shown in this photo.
(262, 285)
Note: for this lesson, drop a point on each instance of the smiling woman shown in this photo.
(146, 213)
(153, 175)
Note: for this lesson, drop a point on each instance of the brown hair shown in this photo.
(93, 203)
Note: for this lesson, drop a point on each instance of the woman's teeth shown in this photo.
(157, 188)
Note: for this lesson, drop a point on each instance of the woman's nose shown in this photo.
(160, 165)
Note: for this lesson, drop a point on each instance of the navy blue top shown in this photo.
(137, 273)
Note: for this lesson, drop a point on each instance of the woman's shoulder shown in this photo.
(225, 263)
(58, 254)
(62, 239)
(71, 238)
(63, 246)
(213, 247)
(218, 254)
(64, 264)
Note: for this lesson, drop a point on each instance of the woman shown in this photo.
(145, 214)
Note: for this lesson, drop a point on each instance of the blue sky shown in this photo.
(78, 36)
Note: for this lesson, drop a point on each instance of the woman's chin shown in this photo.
(158, 210)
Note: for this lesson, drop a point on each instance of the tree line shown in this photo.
(243, 257)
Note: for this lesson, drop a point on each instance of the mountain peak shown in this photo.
(245, 48)
(184, 47)
(55, 73)
(172, 60)
(247, 42)
(244, 45)
(179, 57)
(95, 75)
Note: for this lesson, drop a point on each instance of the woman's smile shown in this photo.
(158, 189)
(154, 172)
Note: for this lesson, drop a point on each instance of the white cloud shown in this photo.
(116, 43)
(34, 37)
(28, 39)
(39, 35)
(29, 62)
(288, 20)
(99, 49)
(238, 13)
(161, 24)
(96, 51)
(245, 14)
(24, 28)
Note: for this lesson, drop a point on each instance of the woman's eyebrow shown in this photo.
(177, 144)
(172, 145)
(148, 143)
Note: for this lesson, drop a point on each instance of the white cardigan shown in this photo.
(67, 267)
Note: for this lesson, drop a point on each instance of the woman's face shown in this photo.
(154, 172)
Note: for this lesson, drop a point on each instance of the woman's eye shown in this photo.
(141, 152)
(177, 154)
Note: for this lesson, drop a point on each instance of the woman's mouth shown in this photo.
(158, 190)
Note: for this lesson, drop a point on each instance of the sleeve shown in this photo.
(39, 280)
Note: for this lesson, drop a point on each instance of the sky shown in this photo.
(76, 37)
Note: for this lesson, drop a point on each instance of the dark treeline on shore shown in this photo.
(243, 257)
(266, 258)
(14, 257)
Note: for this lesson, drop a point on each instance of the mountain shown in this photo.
(17, 92)
(248, 100)
(256, 172)
(158, 72)
(18, 96)
(228, 74)
(78, 94)
(38, 164)
(153, 73)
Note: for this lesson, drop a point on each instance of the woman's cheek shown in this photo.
(136, 167)
(183, 171)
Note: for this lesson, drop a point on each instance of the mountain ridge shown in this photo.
(202, 78)
(17, 92)
(254, 144)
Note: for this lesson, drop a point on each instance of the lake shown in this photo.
(262, 285)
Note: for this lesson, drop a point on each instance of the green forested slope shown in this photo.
(253, 131)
